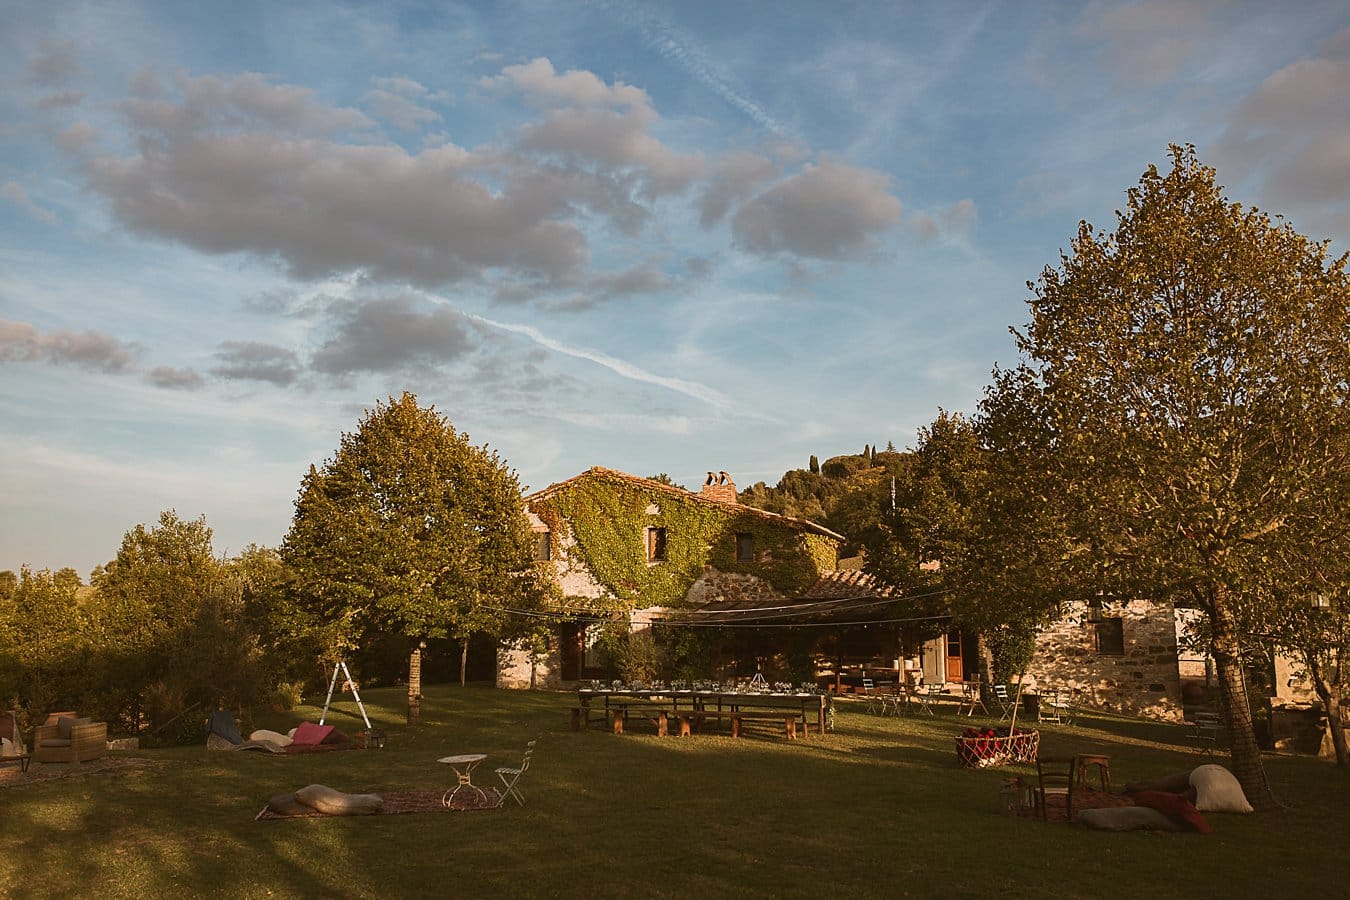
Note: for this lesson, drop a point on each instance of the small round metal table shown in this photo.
(463, 766)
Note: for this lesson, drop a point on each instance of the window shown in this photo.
(1111, 637)
(745, 546)
(656, 545)
(543, 546)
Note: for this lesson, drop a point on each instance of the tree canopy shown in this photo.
(1185, 380)
(410, 528)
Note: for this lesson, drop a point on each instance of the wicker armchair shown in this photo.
(70, 741)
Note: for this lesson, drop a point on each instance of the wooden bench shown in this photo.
(788, 717)
(658, 714)
(581, 716)
(688, 719)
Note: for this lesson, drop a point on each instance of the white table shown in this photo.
(463, 766)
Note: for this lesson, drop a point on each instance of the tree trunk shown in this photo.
(415, 687)
(1227, 648)
(463, 661)
(1330, 695)
(985, 666)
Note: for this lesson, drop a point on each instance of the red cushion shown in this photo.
(1175, 807)
(309, 733)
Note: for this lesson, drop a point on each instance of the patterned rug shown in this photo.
(1082, 799)
(10, 776)
(396, 802)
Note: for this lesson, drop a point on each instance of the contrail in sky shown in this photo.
(617, 366)
(676, 47)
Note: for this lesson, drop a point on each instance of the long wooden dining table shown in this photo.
(611, 701)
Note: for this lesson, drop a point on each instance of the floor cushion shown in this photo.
(1217, 790)
(309, 733)
(332, 802)
(1175, 806)
(288, 805)
(262, 734)
(1126, 818)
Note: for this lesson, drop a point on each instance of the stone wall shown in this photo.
(1143, 680)
(518, 669)
(729, 587)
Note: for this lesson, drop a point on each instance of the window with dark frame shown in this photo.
(1111, 636)
(543, 546)
(745, 546)
(656, 544)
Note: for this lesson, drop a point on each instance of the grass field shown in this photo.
(878, 808)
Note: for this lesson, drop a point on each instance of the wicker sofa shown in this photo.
(70, 740)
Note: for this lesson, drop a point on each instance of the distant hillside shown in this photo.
(845, 493)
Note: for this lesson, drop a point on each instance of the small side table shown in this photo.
(463, 766)
(1083, 761)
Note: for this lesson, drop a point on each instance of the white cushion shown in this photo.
(1217, 790)
(332, 802)
(262, 734)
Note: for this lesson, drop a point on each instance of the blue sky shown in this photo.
(655, 237)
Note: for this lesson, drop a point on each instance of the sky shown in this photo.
(656, 237)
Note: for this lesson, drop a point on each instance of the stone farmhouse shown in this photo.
(621, 546)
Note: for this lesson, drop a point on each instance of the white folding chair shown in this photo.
(873, 700)
(510, 775)
(1004, 700)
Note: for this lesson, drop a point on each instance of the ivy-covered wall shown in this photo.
(607, 516)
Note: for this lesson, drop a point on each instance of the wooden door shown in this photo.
(956, 670)
(569, 647)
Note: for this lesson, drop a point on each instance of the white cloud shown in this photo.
(541, 84)
(14, 193)
(827, 211)
(1293, 135)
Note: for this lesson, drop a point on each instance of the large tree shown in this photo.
(410, 528)
(1187, 377)
(969, 537)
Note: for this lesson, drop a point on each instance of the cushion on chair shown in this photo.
(331, 802)
(1217, 790)
(309, 733)
(1176, 807)
(1126, 818)
(55, 742)
(65, 726)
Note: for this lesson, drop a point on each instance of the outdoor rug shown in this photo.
(396, 802)
(1083, 799)
(10, 776)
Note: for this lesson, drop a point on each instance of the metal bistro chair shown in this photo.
(1004, 701)
(874, 702)
(1055, 708)
(1203, 730)
(510, 775)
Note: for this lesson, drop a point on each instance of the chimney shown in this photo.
(719, 487)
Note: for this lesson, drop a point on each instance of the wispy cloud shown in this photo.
(680, 48)
(617, 366)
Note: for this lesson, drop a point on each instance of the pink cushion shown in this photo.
(1176, 807)
(309, 733)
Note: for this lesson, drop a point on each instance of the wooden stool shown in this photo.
(1103, 763)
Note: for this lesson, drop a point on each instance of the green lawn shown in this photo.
(878, 808)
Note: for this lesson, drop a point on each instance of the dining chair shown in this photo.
(1055, 778)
